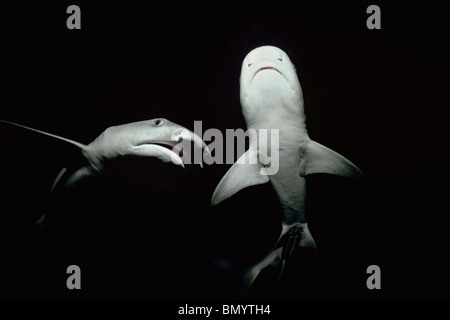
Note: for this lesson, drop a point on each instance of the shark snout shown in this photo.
(265, 53)
(183, 135)
(268, 71)
(267, 59)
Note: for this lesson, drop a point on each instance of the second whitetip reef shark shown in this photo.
(157, 138)
(272, 98)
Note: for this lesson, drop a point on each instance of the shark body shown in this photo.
(157, 138)
(272, 99)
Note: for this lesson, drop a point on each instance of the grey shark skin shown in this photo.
(156, 138)
(271, 98)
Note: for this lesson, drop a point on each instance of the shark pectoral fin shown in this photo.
(79, 175)
(244, 173)
(320, 159)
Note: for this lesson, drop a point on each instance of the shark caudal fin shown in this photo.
(244, 173)
(75, 143)
(320, 159)
(249, 275)
(292, 236)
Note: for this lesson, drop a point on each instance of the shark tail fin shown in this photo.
(292, 237)
(320, 159)
(75, 143)
(249, 275)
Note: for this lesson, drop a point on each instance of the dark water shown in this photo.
(377, 97)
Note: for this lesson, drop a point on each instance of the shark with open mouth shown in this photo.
(158, 139)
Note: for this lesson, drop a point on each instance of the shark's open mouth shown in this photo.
(184, 149)
(172, 146)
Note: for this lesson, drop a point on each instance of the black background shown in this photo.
(379, 97)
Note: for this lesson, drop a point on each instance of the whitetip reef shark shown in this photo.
(272, 98)
(156, 138)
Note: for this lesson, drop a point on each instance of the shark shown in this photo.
(272, 99)
(157, 138)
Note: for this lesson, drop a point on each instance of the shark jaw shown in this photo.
(266, 68)
(179, 152)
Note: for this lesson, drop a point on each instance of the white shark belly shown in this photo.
(289, 186)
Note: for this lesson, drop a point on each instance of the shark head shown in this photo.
(156, 138)
(269, 80)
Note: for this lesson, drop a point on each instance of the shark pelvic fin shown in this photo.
(320, 159)
(244, 173)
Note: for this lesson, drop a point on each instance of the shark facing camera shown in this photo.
(272, 98)
(125, 189)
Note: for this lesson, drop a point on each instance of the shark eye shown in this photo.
(280, 58)
(158, 122)
(250, 64)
